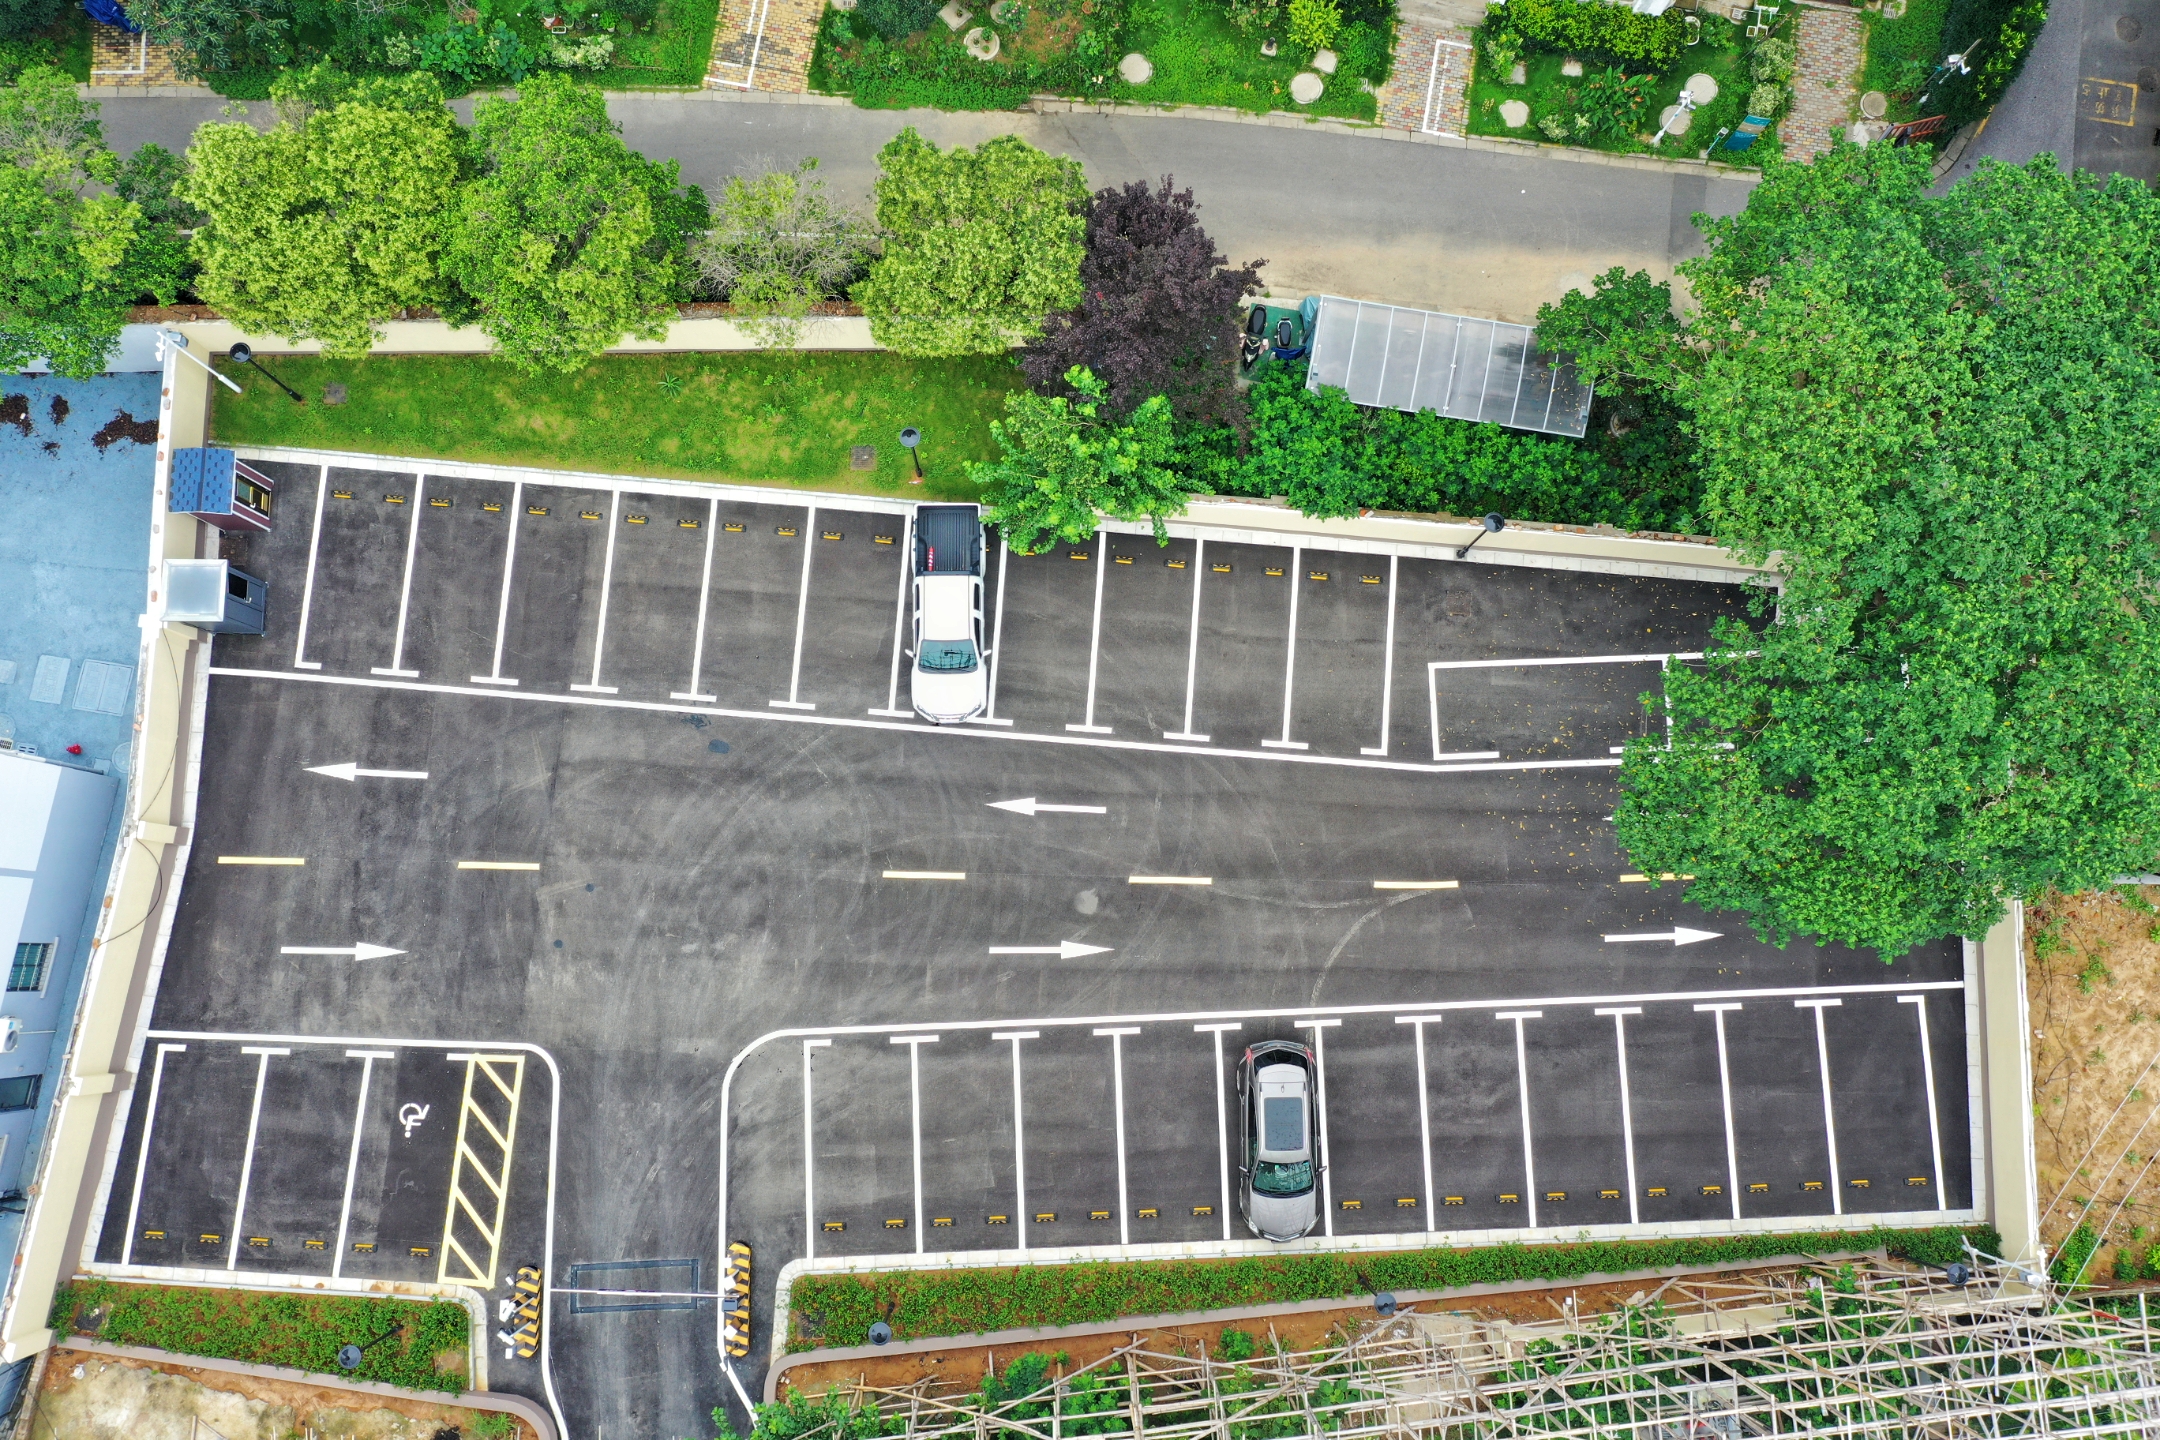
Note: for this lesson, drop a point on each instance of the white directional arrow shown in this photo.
(1031, 806)
(1070, 950)
(350, 770)
(362, 951)
(1679, 935)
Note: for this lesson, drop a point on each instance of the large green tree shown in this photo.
(980, 245)
(1065, 465)
(1939, 420)
(568, 240)
(332, 221)
(72, 259)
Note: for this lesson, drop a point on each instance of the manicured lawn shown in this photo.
(419, 1344)
(762, 419)
(1721, 53)
(1901, 52)
(1200, 58)
(673, 54)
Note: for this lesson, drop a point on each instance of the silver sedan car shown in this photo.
(1278, 1144)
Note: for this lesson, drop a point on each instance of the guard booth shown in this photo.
(1457, 365)
(219, 488)
(212, 595)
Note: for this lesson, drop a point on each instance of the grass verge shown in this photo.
(673, 54)
(837, 1310)
(424, 1348)
(1200, 58)
(1901, 53)
(759, 418)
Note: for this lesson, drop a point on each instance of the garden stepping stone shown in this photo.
(955, 15)
(1571, 67)
(1675, 121)
(1306, 87)
(1520, 75)
(1135, 69)
(1514, 114)
(1702, 87)
(1324, 61)
(982, 43)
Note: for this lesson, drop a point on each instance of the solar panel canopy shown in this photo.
(1469, 369)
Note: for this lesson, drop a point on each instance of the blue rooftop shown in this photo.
(75, 488)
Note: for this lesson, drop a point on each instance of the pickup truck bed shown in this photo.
(948, 540)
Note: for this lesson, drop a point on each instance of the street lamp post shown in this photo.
(349, 1356)
(1685, 105)
(245, 354)
(911, 438)
(1493, 525)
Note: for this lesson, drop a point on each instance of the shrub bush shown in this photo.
(301, 1330)
(1367, 51)
(839, 1309)
(1611, 31)
(1314, 23)
(1768, 100)
(894, 19)
(1772, 62)
(1997, 34)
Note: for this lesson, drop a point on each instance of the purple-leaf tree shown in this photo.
(1160, 311)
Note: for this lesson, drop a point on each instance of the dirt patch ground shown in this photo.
(2093, 978)
(87, 1396)
(961, 1366)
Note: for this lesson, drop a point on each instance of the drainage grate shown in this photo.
(668, 1276)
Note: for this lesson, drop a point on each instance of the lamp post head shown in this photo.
(243, 353)
(349, 1356)
(911, 437)
(1494, 524)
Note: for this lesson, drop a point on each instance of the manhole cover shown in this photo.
(862, 457)
(333, 394)
(2127, 29)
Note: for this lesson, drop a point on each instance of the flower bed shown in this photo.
(899, 53)
(1631, 68)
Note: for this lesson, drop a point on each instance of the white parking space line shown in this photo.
(412, 546)
(1434, 667)
(1347, 762)
(1289, 674)
(899, 629)
(802, 611)
(1222, 1109)
(1387, 666)
(607, 588)
(1170, 880)
(809, 1152)
(367, 1059)
(1619, 1015)
(1192, 670)
(498, 865)
(307, 591)
(1020, 1211)
(502, 606)
(262, 859)
(1424, 1108)
(1319, 1030)
(704, 603)
(1117, 1034)
(914, 1045)
(142, 1150)
(997, 635)
(1927, 1068)
(1829, 1114)
(1522, 1094)
(1102, 559)
(1724, 1076)
(247, 1162)
(1417, 884)
(926, 875)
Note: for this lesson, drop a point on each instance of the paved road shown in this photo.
(686, 876)
(1423, 225)
(2089, 94)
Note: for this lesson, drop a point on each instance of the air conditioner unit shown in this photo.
(10, 1033)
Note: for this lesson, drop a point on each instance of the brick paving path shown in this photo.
(1827, 82)
(778, 60)
(118, 58)
(1413, 87)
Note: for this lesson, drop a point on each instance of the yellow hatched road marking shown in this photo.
(495, 1177)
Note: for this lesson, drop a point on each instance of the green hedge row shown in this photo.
(302, 1330)
(1611, 31)
(837, 1310)
(1329, 457)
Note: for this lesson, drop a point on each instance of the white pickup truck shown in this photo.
(950, 680)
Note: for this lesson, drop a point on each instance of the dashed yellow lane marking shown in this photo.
(1644, 879)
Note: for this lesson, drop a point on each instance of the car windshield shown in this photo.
(1273, 1179)
(1282, 1124)
(947, 656)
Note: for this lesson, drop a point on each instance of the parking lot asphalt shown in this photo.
(630, 889)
